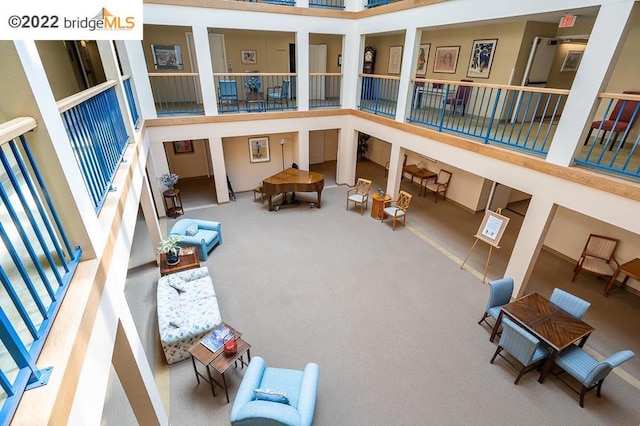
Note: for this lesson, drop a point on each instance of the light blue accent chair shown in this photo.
(500, 292)
(279, 94)
(522, 345)
(207, 235)
(228, 94)
(569, 303)
(301, 388)
(586, 370)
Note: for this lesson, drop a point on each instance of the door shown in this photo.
(317, 64)
(316, 147)
(541, 57)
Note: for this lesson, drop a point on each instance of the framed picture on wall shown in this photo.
(423, 58)
(167, 57)
(249, 56)
(481, 59)
(446, 59)
(571, 61)
(183, 147)
(259, 150)
(395, 59)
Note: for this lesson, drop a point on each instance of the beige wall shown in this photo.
(334, 48)
(187, 165)
(272, 49)
(531, 31)
(166, 35)
(58, 67)
(331, 144)
(382, 43)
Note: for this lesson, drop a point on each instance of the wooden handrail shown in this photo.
(253, 74)
(325, 74)
(126, 77)
(621, 96)
(173, 74)
(495, 86)
(78, 98)
(16, 127)
(384, 77)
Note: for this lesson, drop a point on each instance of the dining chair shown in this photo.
(461, 97)
(587, 370)
(569, 303)
(597, 257)
(227, 93)
(359, 194)
(397, 208)
(439, 184)
(279, 94)
(522, 345)
(621, 118)
(500, 292)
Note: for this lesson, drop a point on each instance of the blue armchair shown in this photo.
(499, 294)
(522, 345)
(585, 369)
(569, 303)
(300, 388)
(203, 234)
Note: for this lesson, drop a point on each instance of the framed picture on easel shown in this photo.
(492, 227)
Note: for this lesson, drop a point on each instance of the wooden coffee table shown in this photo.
(219, 360)
(188, 260)
(630, 269)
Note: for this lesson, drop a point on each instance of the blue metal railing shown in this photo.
(98, 137)
(128, 90)
(379, 94)
(328, 4)
(376, 3)
(177, 93)
(324, 90)
(36, 266)
(615, 146)
(519, 117)
(255, 92)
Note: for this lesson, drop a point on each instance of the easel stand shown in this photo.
(486, 265)
(490, 231)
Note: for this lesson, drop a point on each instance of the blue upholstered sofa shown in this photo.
(300, 388)
(203, 234)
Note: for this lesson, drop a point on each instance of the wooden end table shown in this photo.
(630, 269)
(219, 360)
(377, 204)
(172, 203)
(422, 174)
(188, 260)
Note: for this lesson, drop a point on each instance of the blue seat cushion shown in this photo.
(283, 380)
(576, 362)
(494, 312)
(207, 235)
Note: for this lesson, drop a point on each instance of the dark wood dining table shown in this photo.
(548, 322)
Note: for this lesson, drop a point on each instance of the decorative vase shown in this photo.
(173, 258)
(230, 345)
(170, 187)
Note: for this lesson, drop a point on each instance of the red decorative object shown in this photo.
(230, 345)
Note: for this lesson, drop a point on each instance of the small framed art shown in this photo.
(481, 59)
(249, 56)
(259, 150)
(423, 58)
(395, 59)
(167, 57)
(571, 60)
(446, 59)
(183, 147)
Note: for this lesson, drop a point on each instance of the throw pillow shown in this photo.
(191, 230)
(177, 283)
(176, 319)
(272, 396)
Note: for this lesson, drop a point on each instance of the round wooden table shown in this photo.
(173, 202)
(377, 204)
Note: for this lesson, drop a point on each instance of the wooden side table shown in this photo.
(378, 204)
(630, 269)
(172, 203)
(188, 260)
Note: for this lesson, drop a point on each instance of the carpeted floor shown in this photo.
(390, 319)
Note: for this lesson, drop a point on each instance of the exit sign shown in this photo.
(567, 21)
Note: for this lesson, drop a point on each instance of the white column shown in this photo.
(352, 51)
(409, 53)
(205, 69)
(395, 170)
(354, 5)
(347, 155)
(303, 149)
(149, 212)
(302, 3)
(302, 53)
(598, 61)
(529, 242)
(140, 76)
(112, 72)
(219, 169)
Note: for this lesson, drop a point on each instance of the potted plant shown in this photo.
(252, 83)
(363, 146)
(168, 180)
(169, 246)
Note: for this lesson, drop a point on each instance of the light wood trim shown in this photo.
(126, 77)
(395, 7)
(174, 74)
(16, 127)
(621, 96)
(73, 100)
(253, 74)
(381, 76)
(325, 74)
(495, 86)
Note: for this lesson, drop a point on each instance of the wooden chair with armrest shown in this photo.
(397, 208)
(439, 184)
(597, 257)
(359, 194)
